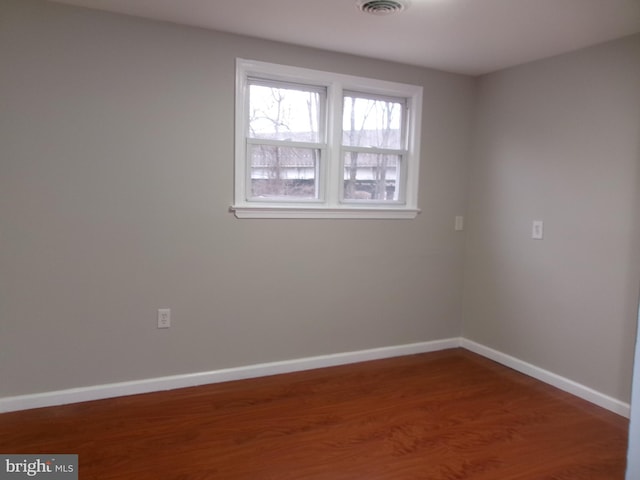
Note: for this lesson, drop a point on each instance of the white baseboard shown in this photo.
(98, 392)
(545, 376)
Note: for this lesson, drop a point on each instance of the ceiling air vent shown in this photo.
(381, 7)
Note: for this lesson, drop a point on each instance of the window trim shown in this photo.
(330, 204)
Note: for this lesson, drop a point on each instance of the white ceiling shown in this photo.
(464, 36)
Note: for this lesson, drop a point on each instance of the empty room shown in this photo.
(333, 240)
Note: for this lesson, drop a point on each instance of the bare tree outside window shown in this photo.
(372, 131)
(284, 120)
(285, 128)
(314, 144)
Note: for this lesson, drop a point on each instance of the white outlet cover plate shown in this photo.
(164, 317)
(537, 230)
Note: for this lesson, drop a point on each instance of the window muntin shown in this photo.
(312, 144)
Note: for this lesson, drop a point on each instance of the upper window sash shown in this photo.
(366, 112)
(274, 104)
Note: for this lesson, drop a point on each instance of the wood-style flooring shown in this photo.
(447, 415)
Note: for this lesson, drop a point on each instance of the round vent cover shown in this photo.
(381, 7)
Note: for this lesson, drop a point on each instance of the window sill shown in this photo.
(350, 213)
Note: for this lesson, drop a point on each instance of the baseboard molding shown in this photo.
(99, 392)
(550, 378)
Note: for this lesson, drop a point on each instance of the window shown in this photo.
(313, 144)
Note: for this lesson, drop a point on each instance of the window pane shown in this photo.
(284, 113)
(284, 172)
(370, 122)
(371, 176)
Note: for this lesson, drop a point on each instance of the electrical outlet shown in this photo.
(459, 223)
(164, 317)
(537, 230)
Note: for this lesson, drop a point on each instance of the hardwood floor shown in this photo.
(443, 415)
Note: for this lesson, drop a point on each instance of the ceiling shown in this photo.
(464, 36)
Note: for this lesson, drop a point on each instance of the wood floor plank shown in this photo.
(446, 415)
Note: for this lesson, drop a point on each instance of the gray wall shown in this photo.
(116, 174)
(558, 140)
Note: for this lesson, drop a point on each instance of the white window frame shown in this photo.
(329, 203)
